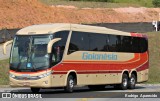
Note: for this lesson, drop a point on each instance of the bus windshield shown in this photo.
(29, 53)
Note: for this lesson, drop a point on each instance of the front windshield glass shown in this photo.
(29, 53)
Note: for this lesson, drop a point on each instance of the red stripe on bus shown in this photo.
(102, 66)
(59, 72)
(136, 34)
(143, 67)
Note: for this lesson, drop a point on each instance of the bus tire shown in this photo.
(35, 90)
(132, 82)
(70, 84)
(124, 83)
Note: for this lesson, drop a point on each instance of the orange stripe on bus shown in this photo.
(30, 72)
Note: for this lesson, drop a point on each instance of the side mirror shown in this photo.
(49, 47)
(5, 45)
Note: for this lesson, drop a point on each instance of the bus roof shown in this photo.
(55, 27)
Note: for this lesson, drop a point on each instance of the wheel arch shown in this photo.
(135, 73)
(125, 72)
(73, 73)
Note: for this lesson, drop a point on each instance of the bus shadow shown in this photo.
(77, 90)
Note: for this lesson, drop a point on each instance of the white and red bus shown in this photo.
(66, 55)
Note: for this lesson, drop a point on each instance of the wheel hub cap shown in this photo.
(125, 82)
(132, 81)
(71, 83)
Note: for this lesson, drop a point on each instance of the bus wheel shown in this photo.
(35, 90)
(132, 82)
(124, 83)
(70, 84)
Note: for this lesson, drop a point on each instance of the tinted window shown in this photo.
(83, 41)
(79, 42)
(126, 44)
(136, 44)
(98, 42)
(112, 43)
(63, 35)
(143, 45)
(59, 47)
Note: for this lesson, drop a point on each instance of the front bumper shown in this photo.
(40, 83)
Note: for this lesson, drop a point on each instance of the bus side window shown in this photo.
(112, 43)
(135, 45)
(126, 44)
(98, 42)
(75, 42)
(79, 42)
(59, 47)
(143, 45)
(56, 55)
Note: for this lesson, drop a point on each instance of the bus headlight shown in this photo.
(11, 75)
(45, 75)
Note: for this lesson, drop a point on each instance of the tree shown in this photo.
(156, 3)
(95, 0)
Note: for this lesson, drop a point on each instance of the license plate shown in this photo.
(26, 83)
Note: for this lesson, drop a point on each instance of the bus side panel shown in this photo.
(143, 72)
(58, 79)
(142, 76)
(104, 72)
(95, 79)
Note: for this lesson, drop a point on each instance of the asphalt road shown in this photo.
(84, 92)
(84, 89)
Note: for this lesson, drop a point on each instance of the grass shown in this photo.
(4, 68)
(91, 4)
(154, 52)
(144, 3)
(154, 70)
